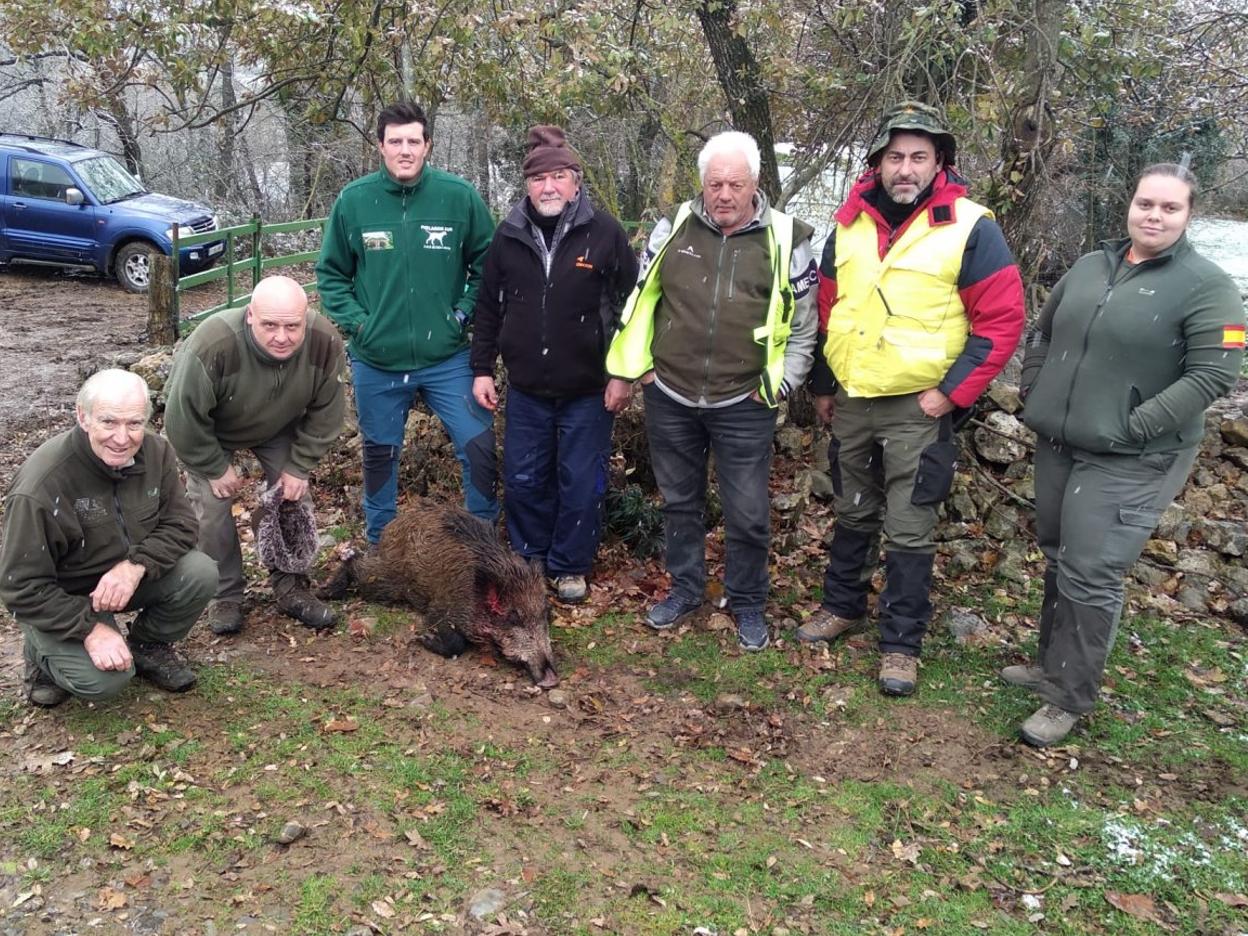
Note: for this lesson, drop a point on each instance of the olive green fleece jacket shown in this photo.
(226, 393)
(1126, 359)
(401, 265)
(69, 518)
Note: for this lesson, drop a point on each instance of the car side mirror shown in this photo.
(73, 196)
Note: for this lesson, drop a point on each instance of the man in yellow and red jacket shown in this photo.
(921, 305)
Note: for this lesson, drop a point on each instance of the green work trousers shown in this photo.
(1094, 513)
(167, 606)
(218, 530)
(891, 466)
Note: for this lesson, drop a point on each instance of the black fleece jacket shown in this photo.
(553, 329)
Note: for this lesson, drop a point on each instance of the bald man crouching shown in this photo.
(96, 522)
(270, 379)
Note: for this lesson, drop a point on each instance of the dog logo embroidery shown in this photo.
(435, 236)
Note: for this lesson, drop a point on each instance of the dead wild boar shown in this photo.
(449, 564)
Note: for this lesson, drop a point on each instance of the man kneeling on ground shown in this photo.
(97, 522)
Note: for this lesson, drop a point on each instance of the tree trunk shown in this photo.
(1026, 149)
(117, 114)
(223, 178)
(162, 322)
(742, 84)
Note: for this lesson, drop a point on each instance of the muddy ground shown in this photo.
(58, 328)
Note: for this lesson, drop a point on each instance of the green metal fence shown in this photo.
(247, 239)
(251, 236)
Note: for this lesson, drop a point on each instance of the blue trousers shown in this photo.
(555, 453)
(384, 398)
(682, 438)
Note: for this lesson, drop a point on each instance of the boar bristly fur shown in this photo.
(449, 564)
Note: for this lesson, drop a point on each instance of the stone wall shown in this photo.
(1195, 559)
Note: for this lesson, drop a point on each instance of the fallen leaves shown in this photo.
(341, 725)
(117, 840)
(108, 898)
(361, 628)
(1140, 906)
(908, 853)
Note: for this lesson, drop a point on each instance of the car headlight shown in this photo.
(184, 230)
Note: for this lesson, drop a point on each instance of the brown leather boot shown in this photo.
(1047, 725)
(824, 625)
(1028, 677)
(898, 674)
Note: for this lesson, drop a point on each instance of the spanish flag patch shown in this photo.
(1232, 336)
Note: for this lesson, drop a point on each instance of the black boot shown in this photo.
(162, 666)
(40, 688)
(905, 609)
(852, 559)
(295, 599)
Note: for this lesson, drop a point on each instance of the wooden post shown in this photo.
(162, 321)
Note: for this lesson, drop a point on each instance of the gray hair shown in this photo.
(111, 383)
(730, 142)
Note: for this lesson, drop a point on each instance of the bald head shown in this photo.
(279, 292)
(278, 316)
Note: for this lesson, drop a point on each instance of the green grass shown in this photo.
(314, 914)
(689, 836)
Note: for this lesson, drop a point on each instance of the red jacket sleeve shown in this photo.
(992, 293)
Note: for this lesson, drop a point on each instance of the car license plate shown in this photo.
(215, 249)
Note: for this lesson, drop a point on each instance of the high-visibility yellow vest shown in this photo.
(898, 323)
(630, 354)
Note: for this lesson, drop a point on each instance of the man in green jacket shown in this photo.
(267, 378)
(400, 267)
(96, 522)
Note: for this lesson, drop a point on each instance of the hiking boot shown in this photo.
(670, 610)
(1047, 725)
(40, 689)
(824, 625)
(225, 617)
(304, 607)
(162, 666)
(571, 589)
(752, 630)
(1028, 677)
(898, 674)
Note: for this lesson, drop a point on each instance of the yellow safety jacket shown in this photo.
(898, 322)
(630, 353)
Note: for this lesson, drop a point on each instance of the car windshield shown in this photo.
(109, 179)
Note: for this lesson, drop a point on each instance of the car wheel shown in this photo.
(133, 266)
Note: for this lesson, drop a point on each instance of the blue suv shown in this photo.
(63, 204)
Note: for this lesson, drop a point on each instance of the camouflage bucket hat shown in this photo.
(918, 117)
